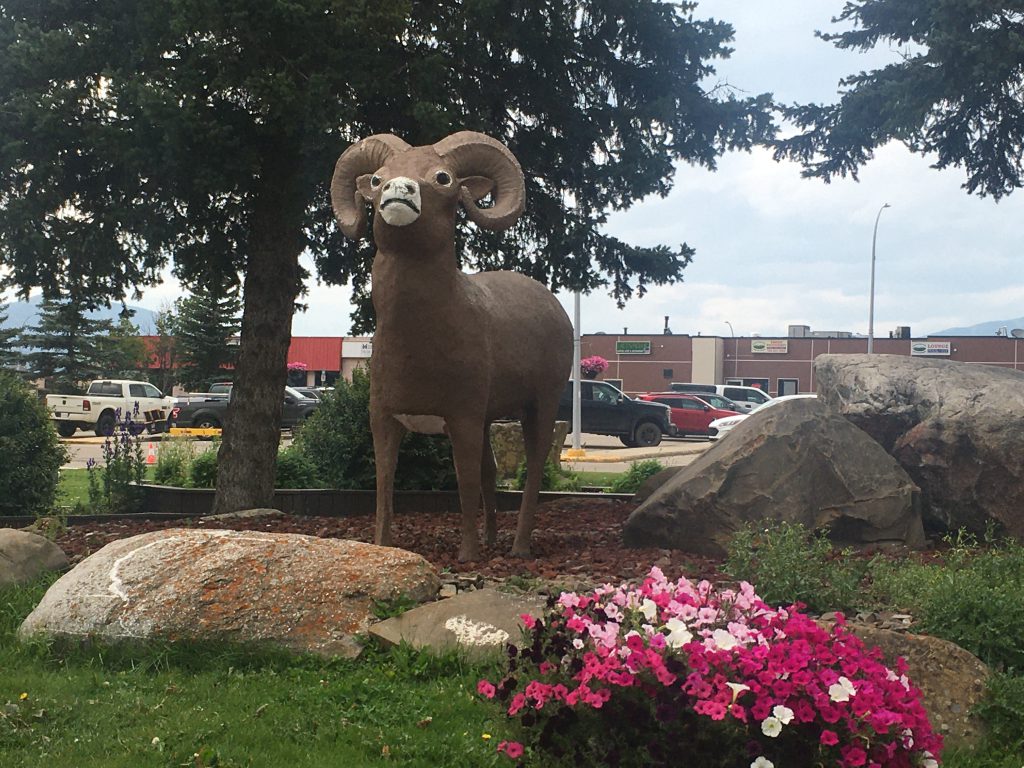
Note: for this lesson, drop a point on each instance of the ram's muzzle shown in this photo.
(400, 201)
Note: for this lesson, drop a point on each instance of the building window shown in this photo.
(667, 373)
(789, 386)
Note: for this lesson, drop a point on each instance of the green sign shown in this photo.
(632, 347)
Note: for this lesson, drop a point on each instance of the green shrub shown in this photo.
(548, 482)
(338, 441)
(30, 453)
(174, 461)
(788, 564)
(295, 470)
(974, 598)
(635, 476)
(202, 471)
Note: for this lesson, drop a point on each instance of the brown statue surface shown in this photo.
(452, 352)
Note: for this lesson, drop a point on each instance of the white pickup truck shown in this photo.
(97, 408)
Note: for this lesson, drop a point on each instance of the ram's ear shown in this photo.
(363, 186)
(478, 187)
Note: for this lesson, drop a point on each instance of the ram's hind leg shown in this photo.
(488, 487)
(467, 450)
(387, 438)
(538, 426)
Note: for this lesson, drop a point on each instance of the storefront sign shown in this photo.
(356, 348)
(632, 347)
(930, 348)
(769, 346)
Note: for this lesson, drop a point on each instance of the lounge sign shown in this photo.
(632, 347)
(930, 348)
(769, 346)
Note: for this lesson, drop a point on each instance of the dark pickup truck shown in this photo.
(207, 410)
(605, 410)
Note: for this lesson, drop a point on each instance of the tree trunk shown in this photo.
(247, 461)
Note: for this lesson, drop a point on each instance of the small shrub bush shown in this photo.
(975, 598)
(174, 461)
(202, 472)
(295, 470)
(628, 676)
(793, 565)
(30, 453)
(636, 474)
(338, 442)
(554, 479)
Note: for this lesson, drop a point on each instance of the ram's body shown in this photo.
(452, 352)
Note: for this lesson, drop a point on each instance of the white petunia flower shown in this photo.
(678, 635)
(737, 689)
(783, 713)
(762, 762)
(771, 727)
(724, 640)
(841, 690)
(649, 609)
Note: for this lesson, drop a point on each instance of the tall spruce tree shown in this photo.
(209, 129)
(206, 330)
(124, 353)
(11, 356)
(164, 347)
(953, 94)
(65, 346)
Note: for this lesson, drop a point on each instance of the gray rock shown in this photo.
(957, 429)
(24, 556)
(952, 680)
(301, 593)
(479, 622)
(509, 451)
(795, 461)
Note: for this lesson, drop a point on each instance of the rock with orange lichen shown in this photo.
(299, 592)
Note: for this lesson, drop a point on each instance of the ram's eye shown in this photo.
(375, 181)
(443, 178)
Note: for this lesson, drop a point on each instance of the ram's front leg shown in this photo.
(466, 434)
(387, 438)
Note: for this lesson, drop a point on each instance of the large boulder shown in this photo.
(25, 555)
(510, 451)
(957, 429)
(952, 680)
(300, 592)
(796, 461)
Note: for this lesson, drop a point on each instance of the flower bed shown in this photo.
(632, 676)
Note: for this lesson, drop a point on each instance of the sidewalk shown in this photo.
(607, 457)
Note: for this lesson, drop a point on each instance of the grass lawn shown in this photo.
(74, 486)
(164, 705)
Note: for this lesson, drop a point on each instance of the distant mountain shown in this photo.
(982, 329)
(23, 313)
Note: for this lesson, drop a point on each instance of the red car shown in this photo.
(690, 414)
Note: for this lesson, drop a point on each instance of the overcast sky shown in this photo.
(774, 249)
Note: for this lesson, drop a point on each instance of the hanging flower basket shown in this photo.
(592, 367)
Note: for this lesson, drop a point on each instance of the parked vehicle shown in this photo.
(310, 392)
(691, 414)
(719, 427)
(747, 398)
(207, 410)
(98, 408)
(605, 410)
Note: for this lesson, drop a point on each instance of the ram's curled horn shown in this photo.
(476, 154)
(363, 157)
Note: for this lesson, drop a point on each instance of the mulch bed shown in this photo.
(577, 540)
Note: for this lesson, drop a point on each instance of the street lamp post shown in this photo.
(735, 352)
(871, 300)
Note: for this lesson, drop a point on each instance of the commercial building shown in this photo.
(779, 365)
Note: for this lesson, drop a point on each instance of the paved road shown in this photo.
(603, 454)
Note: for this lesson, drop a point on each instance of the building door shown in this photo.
(788, 386)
